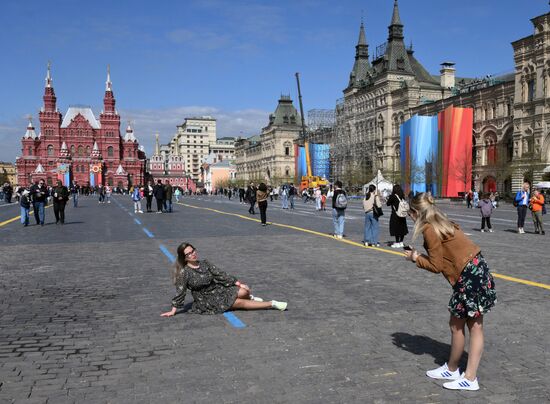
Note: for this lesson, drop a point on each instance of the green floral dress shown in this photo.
(213, 291)
(474, 293)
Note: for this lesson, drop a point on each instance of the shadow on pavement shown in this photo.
(420, 345)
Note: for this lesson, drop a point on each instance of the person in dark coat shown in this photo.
(167, 196)
(60, 197)
(39, 195)
(8, 192)
(158, 192)
(251, 197)
(398, 225)
(148, 194)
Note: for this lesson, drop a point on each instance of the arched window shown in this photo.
(50, 150)
(30, 151)
(110, 151)
(82, 169)
(287, 171)
(287, 146)
(73, 150)
(77, 169)
(80, 151)
(87, 150)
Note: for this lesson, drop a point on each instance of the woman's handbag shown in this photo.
(377, 211)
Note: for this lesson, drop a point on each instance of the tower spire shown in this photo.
(108, 84)
(157, 147)
(396, 26)
(362, 39)
(48, 75)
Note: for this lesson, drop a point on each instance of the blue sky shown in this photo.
(230, 59)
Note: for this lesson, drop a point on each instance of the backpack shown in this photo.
(403, 208)
(341, 201)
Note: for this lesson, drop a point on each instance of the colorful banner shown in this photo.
(64, 173)
(455, 131)
(95, 174)
(436, 152)
(419, 154)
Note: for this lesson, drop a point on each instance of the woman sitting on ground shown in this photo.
(213, 291)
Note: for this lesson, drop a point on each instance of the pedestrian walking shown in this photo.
(372, 205)
(39, 195)
(101, 193)
(74, 190)
(291, 195)
(241, 195)
(229, 194)
(284, 197)
(137, 195)
(486, 207)
(536, 203)
(398, 218)
(469, 196)
(450, 252)
(521, 202)
(339, 205)
(213, 291)
(261, 196)
(8, 192)
(25, 203)
(475, 198)
(324, 201)
(177, 194)
(317, 194)
(60, 196)
(158, 192)
(108, 192)
(251, 197)
(148, 194)
(168, 190)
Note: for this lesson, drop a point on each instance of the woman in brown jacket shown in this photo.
(451, 253)
(261, 196)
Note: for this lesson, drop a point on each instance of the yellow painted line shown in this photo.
(13, 219)
(518, 280)
(354, 243)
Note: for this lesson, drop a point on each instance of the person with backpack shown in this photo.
(398, 219)
(250, 197)
(291, 195)
(486, 207)
(521, 202)
(373, 209)
(262, 194)
(537, 204)
(450, 252)
(339, 205)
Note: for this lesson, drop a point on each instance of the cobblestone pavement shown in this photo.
(80, 305)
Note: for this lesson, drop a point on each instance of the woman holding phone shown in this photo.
(450, 252)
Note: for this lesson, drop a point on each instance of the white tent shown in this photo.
(380, 182)
(543, 184)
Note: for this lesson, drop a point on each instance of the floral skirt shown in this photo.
(474, 293)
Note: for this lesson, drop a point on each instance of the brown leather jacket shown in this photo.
(448, 256)
(261, 196)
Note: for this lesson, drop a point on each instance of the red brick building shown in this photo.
(80, 147)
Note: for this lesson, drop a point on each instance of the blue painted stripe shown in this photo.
(137, 221)
(234, 320)
(151, 235)
(167, 253)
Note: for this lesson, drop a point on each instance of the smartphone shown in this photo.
(407, 247)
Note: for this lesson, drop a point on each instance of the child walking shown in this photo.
(451, 253)
(25, 203)
(486, 207)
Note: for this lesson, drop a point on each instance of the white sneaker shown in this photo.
(482, 230)
(443, 373)
(462, 384)
(140, 211)
(278, 305)
(256, 299)
(490, 230)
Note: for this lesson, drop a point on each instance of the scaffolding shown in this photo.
(320, 118)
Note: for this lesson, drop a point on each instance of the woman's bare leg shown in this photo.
(246, 304)
(457, 341)
(475, 326)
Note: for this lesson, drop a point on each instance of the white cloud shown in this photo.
(147, 122)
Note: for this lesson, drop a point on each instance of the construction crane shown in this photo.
(307, 181)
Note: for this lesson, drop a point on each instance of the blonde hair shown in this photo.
(429, 214)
